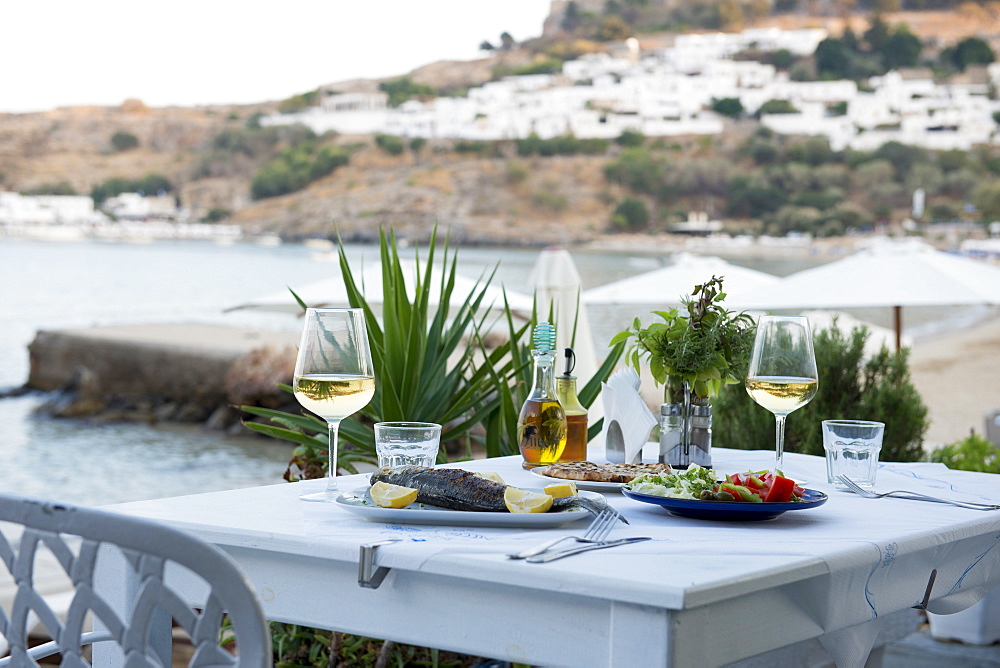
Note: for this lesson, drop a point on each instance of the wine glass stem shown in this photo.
(779, 441)
(331, 473)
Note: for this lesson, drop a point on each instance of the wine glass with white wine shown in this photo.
(334, 376)
(782, 375)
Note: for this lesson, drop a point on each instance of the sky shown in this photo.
(191, 52)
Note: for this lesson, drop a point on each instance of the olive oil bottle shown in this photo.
(541, 426)
(576, 414)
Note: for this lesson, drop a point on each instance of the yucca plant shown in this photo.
(432, 364)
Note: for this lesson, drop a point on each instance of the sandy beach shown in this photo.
(958, 376)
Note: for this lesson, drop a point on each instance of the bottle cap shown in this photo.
(544, 337)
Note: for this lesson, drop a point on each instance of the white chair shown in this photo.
(84, 540)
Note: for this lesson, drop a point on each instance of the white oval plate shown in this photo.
(359, 502)
(580, 484)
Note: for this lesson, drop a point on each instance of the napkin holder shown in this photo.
(614, 445)
(627, 419)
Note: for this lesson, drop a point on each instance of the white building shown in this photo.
(47, 209)
(671, 91)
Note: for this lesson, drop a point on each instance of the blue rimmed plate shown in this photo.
(723, 510)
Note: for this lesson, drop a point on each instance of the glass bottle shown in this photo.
(576, 414)
(541, 426)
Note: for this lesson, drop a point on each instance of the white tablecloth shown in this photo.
(878, 554)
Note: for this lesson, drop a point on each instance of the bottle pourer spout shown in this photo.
(570, 361)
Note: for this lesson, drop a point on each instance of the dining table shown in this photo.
(814, 585)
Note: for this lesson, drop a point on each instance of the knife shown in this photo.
(552, 556)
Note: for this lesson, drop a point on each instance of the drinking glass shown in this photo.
(782, 374)
(334, 376)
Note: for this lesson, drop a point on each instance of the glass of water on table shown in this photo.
(852, 448)
(407, 443)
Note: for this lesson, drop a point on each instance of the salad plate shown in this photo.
(359, 502)
(580, 484)
(725, 510)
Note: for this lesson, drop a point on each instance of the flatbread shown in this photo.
(591, 472)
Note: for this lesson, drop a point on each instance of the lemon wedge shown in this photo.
(523, 501)
(392, 496)
(491, 475)
(557, 490)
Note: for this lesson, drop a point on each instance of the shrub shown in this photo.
(972, 453)
(299, 102)
(728, 106)
(151, 184)
(295, 168)
(402, 89)
(124, 141)
(390, 144)
(630, 138)
(850, 387)
(630, 214)
(60, 188)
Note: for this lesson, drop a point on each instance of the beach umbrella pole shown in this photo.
(897, 320)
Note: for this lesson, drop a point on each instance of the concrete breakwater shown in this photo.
(162, 372)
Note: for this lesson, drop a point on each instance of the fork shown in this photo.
(595, 533)
(916, 496)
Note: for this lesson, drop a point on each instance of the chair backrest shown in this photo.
(78, 540)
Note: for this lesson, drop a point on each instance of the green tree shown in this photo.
(877, 34)
(728, 106)
(60, 188)
(636, 169)
(299, 102)
(630, 138)
(851, 386)
(751, 195)
(902, 49)
(776, 107)
(986, 199)
(572, 17)
(972, 51)
(902, 157)
(402, 89)
(124, 141)
(612, 29)
(833, 59)
(630, 214)
(390, 144)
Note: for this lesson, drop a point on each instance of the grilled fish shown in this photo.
(464, 490)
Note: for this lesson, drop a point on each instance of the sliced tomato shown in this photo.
(780, 491)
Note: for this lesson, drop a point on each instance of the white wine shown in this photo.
(334, 396)
(781, 394)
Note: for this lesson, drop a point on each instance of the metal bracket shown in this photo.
(370, 577)
(927, 592)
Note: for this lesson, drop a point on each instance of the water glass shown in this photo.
(407, 443)
(852, 448)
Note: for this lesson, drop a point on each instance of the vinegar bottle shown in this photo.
(541, 427)
(576, 414)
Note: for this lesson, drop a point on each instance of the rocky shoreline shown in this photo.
(189, 373)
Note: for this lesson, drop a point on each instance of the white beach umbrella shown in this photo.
(558, 290)
(668, 285)
(896, 274)
(332, 292)
(878, 337)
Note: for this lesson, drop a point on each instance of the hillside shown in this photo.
(492, 196)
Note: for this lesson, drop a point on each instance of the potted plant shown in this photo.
(692, 353)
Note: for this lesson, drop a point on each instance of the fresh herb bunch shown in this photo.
(707, 348)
